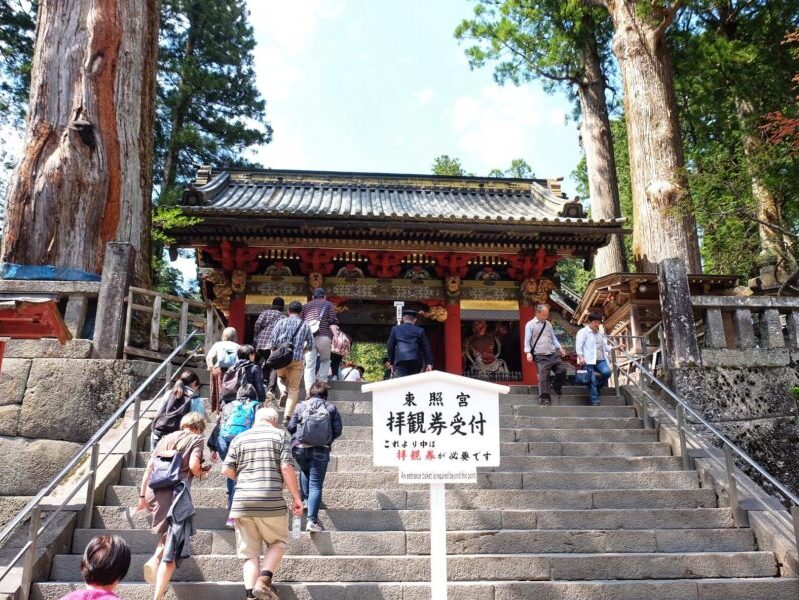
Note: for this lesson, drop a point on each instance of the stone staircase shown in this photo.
(586, 505)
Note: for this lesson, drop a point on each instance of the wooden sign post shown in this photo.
(436, 428)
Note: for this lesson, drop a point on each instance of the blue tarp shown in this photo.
(45, 272)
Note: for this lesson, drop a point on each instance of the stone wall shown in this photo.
(747, 396)
(53, 397)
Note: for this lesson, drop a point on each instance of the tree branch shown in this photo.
(596, 3)
(669, 14)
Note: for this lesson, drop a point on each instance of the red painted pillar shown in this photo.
(453, 347)
(238, 318)
(529, 371)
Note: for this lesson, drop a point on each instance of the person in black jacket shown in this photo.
(408, 347)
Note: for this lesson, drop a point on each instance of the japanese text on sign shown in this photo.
(436, 426)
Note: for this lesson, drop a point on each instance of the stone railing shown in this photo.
(748, 323)
(74, 298)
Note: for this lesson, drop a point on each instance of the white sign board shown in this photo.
(436, 428)
(398, 306)
(435, 424)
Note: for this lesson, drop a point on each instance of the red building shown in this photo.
(474, 254)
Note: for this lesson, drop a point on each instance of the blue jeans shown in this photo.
(231, 485)
(313, 467)
(598, 376)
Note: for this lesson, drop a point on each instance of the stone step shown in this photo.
(479, 518)
(654, 589)
(516, 422)
(564, 400)
(507, 541)
(400, 499)
(465, 567)
(354, 447)
(528, 464)
(541, 434)
(354, 386)
(349, 407)
(576, 480)
(565, 434)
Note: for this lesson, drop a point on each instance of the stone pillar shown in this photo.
(681, 348)
(529, 371)
(109, 327)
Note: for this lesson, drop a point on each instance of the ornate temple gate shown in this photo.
(473, 255)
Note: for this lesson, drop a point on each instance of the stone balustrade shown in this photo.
(730, 322)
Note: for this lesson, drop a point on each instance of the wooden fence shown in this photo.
(170, 319)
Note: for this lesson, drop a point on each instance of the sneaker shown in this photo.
(313, 527)
(545, 401)
(230, 523)
(264, 590)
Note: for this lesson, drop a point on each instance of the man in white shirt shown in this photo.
(542, 347)
(593, 351)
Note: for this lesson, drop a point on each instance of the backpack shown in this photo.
(166, 467)
(231, 380)
(227, 355)
(237, 417)
(315, 427)
(282, 354)
(174, 410)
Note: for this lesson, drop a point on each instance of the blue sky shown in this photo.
(373, 85)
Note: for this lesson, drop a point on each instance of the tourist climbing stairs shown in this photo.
(587, 504)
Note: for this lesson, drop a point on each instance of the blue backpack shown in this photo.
(237, 417)
(227, 355)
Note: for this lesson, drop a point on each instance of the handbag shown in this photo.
(581, 377)
(282, 355)
(166, 468)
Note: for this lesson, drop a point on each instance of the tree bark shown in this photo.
(85, 177)
(663, 226)
(769, 210)
(600, 158)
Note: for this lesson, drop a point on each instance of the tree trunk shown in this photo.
(85, 177)
(663, 224)
(772, 242)
(600, 159)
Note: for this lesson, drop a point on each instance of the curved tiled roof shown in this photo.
(385, 197)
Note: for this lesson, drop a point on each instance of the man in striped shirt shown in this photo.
(260, 462)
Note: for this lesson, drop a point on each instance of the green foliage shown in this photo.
(571, 273)
(369, 355)
(534, 39)
(17, 31)
(444, 165)
(519, 169)
(731, 69)
(209, 108)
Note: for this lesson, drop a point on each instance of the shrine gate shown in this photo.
(474, 255)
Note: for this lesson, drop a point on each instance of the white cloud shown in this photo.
(558, 117)
(498, 124)
(423, 96)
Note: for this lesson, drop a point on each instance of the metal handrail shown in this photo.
(33, 508)
(729, 447)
